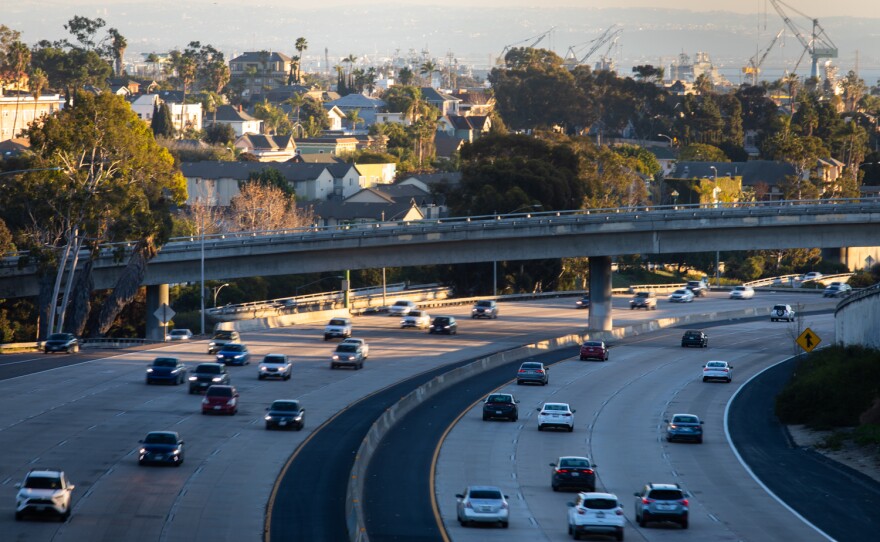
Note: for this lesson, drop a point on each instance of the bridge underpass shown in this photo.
(593, 234)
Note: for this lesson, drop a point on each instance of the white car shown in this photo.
(812, 275)
(682, 295)
(782, 312)
(44, 491)
(596, 513)
(717, 370)
(837, 289)
(365, 348)
(742, 292)
(275, 366)
(417, 318)
(180, 335)
(482, 504)
(401, 308)
(338, 327)
(556, 415)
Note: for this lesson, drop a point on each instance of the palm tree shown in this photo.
(405, 75)
(37, 82)
(301, 45)
(295, 102)
(428, 67)
(351, 59)
(354, 117)
(18, 56)
(793, 84)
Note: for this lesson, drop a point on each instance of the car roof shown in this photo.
(481, 488)
(597, 495)
(172, 433)
(573, 457)
(557, 404)
(685, 414)
(716, 361)
(45, 472)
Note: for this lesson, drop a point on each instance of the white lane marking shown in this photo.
(6, 481)
(62, 443)
(746, 467)
(713, 518)
(34, 460)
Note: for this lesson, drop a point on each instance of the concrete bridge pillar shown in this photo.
(600, 293)
(156, 296)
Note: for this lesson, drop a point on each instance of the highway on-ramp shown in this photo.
(88, 417)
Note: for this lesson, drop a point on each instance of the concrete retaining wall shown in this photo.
(354, 512)
(856, 319)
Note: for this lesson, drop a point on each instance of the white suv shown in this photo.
(599, 513)
(44, 491)
(782, 312)
(338, 327)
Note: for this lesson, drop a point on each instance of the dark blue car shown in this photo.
(166, 370)
(161, 448)
(234, 354)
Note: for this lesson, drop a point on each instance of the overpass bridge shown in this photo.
(597, 234)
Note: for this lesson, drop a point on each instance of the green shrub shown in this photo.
(866, 435)
(834, 441)
(831, 387)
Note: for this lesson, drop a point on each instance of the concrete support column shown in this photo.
(600, 293)
(156, 296)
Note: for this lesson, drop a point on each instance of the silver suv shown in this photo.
(782, 312)
(44, 491)
(661, 502)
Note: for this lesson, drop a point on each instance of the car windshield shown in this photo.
(685, 419)
(556, 407)
(600, 504)
(346, 347)
(486, 494)
(164, 362)
(574, 462)
(208, 369)
(739, 288)
(592, 343)
(219, 391)
(224, 335)
(234, 348)
(178, 332)
(285, 406)
(716, 364)
(643, 294)
(484, 303)
(665, 494)
(531, 366)
(693, 334)
(402, 304)
(58, 337)
(42, 482)
(441, 321)
(160, 438)
(499, 399)
(273, 359)
(337, 322)
(417, 313)
(779, 308)
(680, 292)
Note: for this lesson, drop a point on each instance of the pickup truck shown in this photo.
(365, 348)
(700, 288)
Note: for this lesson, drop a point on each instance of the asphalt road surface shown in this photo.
(86, 412)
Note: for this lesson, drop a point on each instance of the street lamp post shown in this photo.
(216, 290)
(534, 207)
(674, 195)
(671, 141)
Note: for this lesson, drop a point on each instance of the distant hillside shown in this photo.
(474, 37)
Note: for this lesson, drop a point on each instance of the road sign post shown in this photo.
(808, 340)
(164, 314)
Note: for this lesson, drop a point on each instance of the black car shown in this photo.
(695, 337)
(170, 370)
(161, 448)
(444, 324)
(573, 472)
(684, 427)
(582, 303)
(285, 413)
(61, 342)
(206, 375)
(500, 405)
(485, 308)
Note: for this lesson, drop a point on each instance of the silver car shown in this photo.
(275, 366)
(717, 370)
(417, 318)
(533, 371)
(482, 504)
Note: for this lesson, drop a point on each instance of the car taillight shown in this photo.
(581, 511)
(684, 502)
(540, 371)
(646, 500)
(504, 505)
(522, 371)
(705, 369)
(469, 505)
(619, 512)
(566, 414)
(562, 471)
(725, 370)
(587, 471)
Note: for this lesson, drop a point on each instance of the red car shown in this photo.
(220, 400)
(594, 350)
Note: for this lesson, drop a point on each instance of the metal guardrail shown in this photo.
(793, 281)
(873, 290)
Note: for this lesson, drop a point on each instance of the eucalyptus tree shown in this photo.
(117, 46)
(102, 177)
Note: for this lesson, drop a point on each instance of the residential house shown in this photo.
(467, 129)
(13, 148)
(366, 107)
(475, 102)
(339, 212)
(446, 145)
(133, 88)
(260, 70)
(761, 178)
(183, 116)
(447, 104)
(217, 182)
(19, 109)
(327, 145)
(375, 174)
(241, 122)
(336, 116)
(267, 148)
(403, 193)
(666, 157)
(144, 105)
(393, 118)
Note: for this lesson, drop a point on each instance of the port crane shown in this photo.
(571, 58)
(754, 67)
(533, 42)
(818, 44)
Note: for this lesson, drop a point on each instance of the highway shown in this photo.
(88, 417)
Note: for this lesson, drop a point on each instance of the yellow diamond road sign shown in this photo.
(808, 340)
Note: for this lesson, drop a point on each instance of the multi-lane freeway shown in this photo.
(86, 412)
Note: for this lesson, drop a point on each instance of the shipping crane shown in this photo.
(606, 63)
(571, 58)
(818, 45)
(535, 40)
(754, 67)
